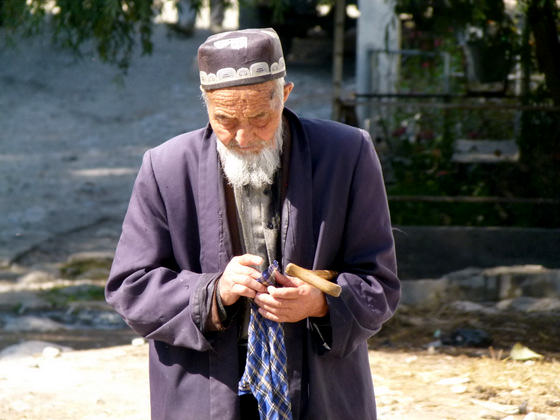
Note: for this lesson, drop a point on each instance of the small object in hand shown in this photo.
(316, 279)
(267, 276)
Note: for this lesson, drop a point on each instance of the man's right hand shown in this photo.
(240, 279)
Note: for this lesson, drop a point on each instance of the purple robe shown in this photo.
(176, 243)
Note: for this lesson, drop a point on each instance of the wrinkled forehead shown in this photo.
(261, 95)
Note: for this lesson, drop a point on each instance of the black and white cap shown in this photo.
(240, 58)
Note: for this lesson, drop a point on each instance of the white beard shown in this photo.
(252, 169)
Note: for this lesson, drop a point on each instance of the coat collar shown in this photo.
(297, 221)
(215, 239)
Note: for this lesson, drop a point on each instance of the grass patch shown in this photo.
(95, 269)
(59, 297)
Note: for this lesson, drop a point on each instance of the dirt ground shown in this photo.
(421, 386)
(412, 380)
(417, 378)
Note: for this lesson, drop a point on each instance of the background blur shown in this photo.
(462, 101)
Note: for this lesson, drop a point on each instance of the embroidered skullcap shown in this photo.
(239, 58)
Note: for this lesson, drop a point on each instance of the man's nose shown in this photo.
(243, 137)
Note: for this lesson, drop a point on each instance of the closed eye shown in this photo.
(260, 119)
(225, 120)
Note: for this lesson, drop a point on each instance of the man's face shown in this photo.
(245, 118)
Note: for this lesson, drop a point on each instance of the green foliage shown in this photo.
(541, 155)
(60, 297)
(114, 25)
(86, 268)
(441, 16)
(18, 14)
(278, 7)
(418, 163)
(474, 214)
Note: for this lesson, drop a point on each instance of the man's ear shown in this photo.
(287, 90)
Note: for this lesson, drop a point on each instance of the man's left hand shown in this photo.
(295, 301)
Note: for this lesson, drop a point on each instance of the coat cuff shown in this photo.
(202, 300)
(219, 317)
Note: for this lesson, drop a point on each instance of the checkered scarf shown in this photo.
(265, 374)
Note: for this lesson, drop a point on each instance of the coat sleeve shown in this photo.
(146, 287)
(370, 287)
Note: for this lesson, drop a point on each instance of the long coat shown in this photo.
(175, 244)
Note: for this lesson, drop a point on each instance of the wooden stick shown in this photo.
(317, 278)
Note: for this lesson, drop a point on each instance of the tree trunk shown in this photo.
(541, 16)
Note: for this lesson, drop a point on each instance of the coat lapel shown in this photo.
(297, 222)
(215, 246)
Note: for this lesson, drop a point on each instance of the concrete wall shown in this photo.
(521, 285)
(431, 252)
(378, 29)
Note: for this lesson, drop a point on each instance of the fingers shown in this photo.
(272, 316)
(243, 272)
(291, 304)
(248, 259)
(244, 265)
(287, 281)
(240, 279)
(239, 282)
(265, 300)
(288, 292)
(292, 301)
(239, 290)
(272, 308)
(282, 313)
(278, 305)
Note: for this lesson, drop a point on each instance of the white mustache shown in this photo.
(255, 169)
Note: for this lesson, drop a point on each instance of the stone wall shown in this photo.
(525, 284)
(431, 252)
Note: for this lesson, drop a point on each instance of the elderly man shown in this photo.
(214, 207)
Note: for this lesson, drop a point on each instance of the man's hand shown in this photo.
(240, 279)
(293, 302)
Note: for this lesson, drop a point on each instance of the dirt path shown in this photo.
(111, 383)
(423, 386)
(93, 384)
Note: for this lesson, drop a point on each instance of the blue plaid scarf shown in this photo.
(265, 374)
